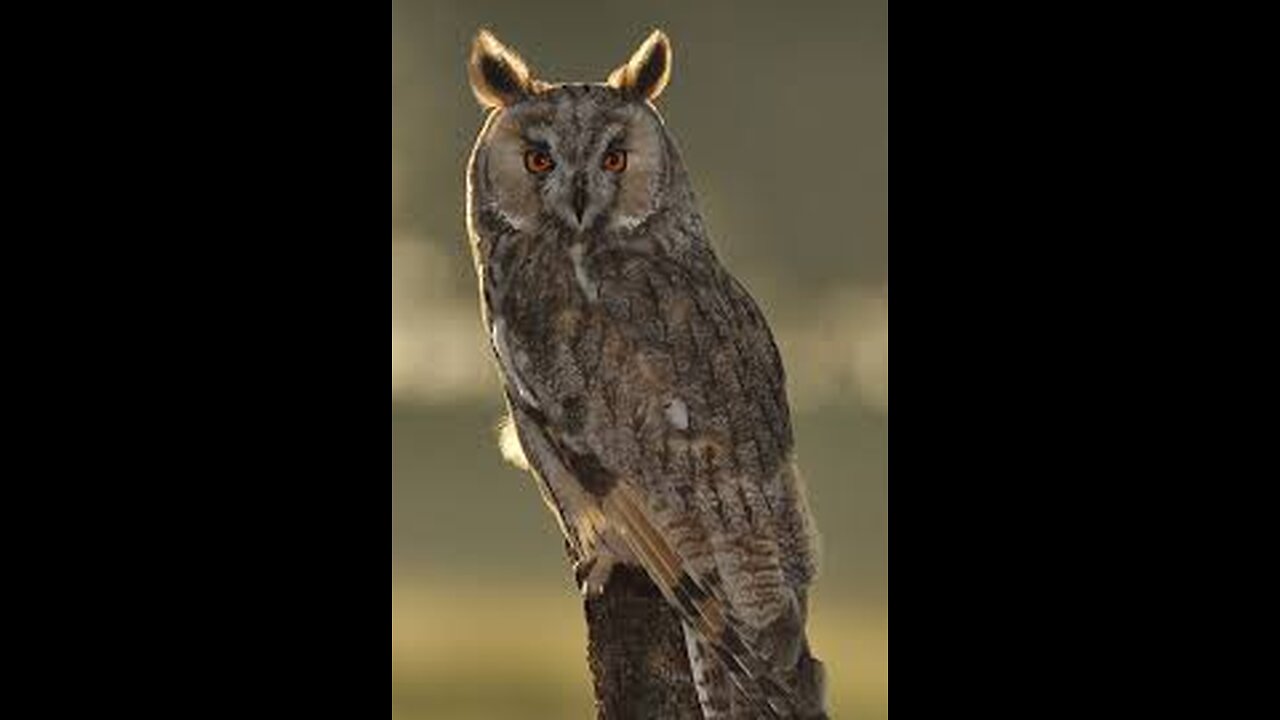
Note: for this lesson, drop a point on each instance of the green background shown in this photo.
(780, 111)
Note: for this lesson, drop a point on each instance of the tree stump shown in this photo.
(636, 651)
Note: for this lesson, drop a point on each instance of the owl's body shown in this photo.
(644, 385)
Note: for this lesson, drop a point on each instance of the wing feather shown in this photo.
(699, 603)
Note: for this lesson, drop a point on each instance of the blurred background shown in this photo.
(781, 113)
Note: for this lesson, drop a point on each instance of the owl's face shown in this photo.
(579, 156)
(571, 157)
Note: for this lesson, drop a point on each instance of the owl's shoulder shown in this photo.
(693, 291)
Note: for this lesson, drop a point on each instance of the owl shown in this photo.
(646, 394)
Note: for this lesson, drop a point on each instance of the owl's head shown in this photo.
(574, 157)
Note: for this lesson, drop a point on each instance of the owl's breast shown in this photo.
(611, 339)
(569, 306)
(542, 302)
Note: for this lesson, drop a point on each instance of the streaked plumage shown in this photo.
(646, 393)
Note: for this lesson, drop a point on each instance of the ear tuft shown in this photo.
(499, 76)
(646, 74)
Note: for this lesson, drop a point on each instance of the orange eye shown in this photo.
(615, 161)
(538, 162)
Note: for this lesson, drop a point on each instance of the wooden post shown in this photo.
(636, 650)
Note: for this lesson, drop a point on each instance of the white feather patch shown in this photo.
(677, 414)
(509, 444)
(588, 287)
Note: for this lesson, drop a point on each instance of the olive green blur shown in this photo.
(780, 110)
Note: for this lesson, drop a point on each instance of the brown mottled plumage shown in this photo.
(645, 389)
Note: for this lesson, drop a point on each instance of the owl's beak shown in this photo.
(580, 196)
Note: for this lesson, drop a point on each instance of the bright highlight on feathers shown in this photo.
(498, 75)
(509, 444)
(647, 72)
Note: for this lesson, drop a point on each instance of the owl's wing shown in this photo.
(700, 601)
(664, 402)
(621, 510)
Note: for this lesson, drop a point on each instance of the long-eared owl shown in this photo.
(646, 393)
